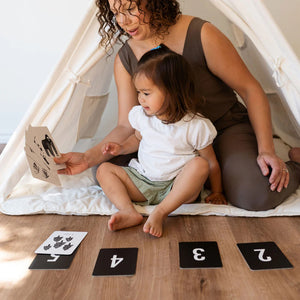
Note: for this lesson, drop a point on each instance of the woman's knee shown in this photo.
(253, 202)
(254, 195)
(250, 190)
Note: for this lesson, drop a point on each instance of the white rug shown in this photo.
(80, 195)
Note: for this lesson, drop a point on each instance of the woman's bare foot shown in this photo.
(154, 223)
(294, 154)
(124, 219)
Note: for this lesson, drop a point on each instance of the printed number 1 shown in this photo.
(261, 255)
(198, 254)
(115, 261)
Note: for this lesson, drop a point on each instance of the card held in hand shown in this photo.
(40, 150)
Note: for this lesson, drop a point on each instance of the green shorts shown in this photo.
(154, 191)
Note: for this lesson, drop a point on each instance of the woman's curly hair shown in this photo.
(162, 15)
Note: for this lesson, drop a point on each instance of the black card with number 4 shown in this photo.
(116, 261)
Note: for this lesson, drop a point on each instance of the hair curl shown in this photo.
(163, 14)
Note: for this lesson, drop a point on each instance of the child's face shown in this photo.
(150, 97)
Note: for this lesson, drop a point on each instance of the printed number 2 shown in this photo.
(198, 254)
(261, 255)
(115, 261)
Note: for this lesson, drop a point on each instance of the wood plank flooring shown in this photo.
(158, 275)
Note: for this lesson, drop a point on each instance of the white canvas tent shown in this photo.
(78, 105)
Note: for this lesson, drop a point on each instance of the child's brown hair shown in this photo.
(173, 74)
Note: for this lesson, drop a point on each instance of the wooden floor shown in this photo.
(158, 275)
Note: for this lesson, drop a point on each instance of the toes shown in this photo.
(111, 222)
(146, 228)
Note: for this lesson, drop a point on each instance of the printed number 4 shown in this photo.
(198, 254)
(261, 255)
(115, 261)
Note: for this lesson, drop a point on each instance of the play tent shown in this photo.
(79, 106)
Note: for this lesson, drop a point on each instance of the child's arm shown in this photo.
(130, 145)
(215, 178)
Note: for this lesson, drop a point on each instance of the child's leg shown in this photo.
(186, 188)
(120, 190)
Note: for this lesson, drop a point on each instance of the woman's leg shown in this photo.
(120, 190)
(294, 154)
(186, 188)
(244, 184)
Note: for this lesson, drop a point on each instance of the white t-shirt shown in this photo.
(166, 148)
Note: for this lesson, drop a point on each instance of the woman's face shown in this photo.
(130, 19)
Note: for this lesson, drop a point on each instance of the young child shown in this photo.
(174, 143)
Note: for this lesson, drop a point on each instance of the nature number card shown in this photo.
(40, 150)
(61, 242)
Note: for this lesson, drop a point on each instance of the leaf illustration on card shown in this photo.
(59, 244)
(68, 246)
(47, 247)
(57, 238)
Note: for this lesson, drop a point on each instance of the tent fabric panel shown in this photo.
(253, 18)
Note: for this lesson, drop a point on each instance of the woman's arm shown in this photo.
(224, 61)
(127, 98)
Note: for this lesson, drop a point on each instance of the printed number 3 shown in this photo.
(115, 261)
(261, 255)
(198, 254)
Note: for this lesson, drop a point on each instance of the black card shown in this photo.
(263, 256)
(199, 255)
(116, 261)
(52, 262)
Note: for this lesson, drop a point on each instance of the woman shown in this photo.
(254, 177)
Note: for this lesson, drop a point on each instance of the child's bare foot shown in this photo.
(124, 219)
(294, 154)
(154, 223)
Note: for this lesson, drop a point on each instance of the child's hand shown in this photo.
(216, 198)
(111, 148)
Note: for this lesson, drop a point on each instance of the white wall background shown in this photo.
(33, 36)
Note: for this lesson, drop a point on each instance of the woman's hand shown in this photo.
(216, 198)
(75, 163)
(279, 176)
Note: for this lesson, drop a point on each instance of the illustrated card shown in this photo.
(52, 261)
(61, 243)
(199, 255)
(40, 150)
(116, 261)
(41, 171)
(264, 256)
